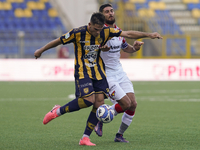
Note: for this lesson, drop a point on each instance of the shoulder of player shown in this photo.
(109, 28)
(106, 27)
(80, 29)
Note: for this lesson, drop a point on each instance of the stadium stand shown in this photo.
(169, 17)
(26, 25)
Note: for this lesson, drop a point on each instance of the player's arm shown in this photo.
(49, 45)
(136, 47)
(137, 35)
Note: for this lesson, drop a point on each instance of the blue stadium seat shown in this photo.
(48, 6)
(191, 6)
(177, 45)
(39, 29)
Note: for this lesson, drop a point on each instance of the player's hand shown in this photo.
(37, 53)
(155, 35)
(137, 45)
(104, 48)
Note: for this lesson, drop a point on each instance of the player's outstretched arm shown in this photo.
(137, 35)
(136, 47)
(49, 45)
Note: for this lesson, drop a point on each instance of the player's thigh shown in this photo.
(101, 87)
(126, 84)
(128, 88)
(101, 91)
(99, 100)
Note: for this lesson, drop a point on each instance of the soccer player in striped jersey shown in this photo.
(120, 87)
(90, 78)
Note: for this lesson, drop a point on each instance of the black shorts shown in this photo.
(86, 87)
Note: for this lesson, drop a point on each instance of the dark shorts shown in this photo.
(86, 87)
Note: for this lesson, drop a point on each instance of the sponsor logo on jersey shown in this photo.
(112, 95)
(114, 47)
(91, 47)
(112, 87)
(83, 41)
(85, 90)
(91, 56)
(120, 38)
(67, 35)
(100, 40)
(86, 84)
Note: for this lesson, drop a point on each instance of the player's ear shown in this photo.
(89, 24)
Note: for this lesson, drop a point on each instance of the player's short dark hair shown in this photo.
(103, 6)
(97, 18)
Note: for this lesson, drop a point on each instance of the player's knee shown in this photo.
(127, 105)
(134, 104)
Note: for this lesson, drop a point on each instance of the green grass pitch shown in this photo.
(167, 118)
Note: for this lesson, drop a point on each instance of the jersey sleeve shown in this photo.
(124, 44)
(68, 37)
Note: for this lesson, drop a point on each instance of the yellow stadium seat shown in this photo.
(195, 1)
(11, 1)
(151, 13)
(31, 5)
(40, 5)
(186, 1)
(142, 12)
(146, 13)
(157, 5)
(129, 6)
(1, 6)
(15, 1)
(6, 6)
(19, 13)
(161, 6)
(52, 12)
(137, 1)
(196, 13)
(190, 1)
(19, 1)
(28, 13)
(153, 5)
(44, 1)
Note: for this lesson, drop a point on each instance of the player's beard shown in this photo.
(110, 21)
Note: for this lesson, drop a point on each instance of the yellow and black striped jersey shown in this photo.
(88, 62)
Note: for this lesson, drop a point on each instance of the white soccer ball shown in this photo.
(105, 113)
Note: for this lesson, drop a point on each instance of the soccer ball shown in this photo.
(105, 113)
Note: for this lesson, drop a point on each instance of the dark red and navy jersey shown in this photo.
(88, 62)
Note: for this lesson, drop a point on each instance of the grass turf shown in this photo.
(167, 118)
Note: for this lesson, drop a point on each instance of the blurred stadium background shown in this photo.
(26, 25)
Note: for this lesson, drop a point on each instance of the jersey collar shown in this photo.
(107, 25)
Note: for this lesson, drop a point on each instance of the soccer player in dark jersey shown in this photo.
(90, 78)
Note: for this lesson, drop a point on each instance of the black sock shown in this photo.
(91, 122)
(75, 105)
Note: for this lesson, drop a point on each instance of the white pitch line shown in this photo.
(31, 99)
(161, 99)
(173, 98)
(146, 98)
(168, 91)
